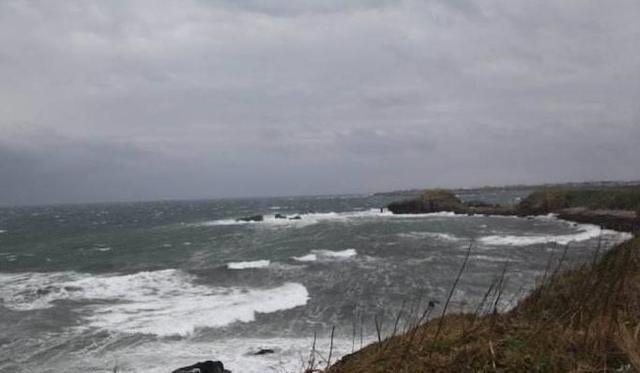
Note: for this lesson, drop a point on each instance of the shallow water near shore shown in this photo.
(149, 287)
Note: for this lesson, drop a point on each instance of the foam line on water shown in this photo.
(436, 235)
(584, 232)
(166, 302)
(306, 219)
(306, 258)
(249, 264)
(326, 255)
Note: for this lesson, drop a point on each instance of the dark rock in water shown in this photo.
(280, 216)
(44, 291)
(430, 201)
(251, 218)
(480, 204)
(297, 217)
(265, 351)
(203, 367)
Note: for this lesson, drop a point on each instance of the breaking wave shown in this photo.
(166, 302)
(436, 235)
(302, 220)
(585, 232)
(249, 264)
(315, 255)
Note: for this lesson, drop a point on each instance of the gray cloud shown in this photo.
(144, 100)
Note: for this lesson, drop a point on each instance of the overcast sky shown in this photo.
(137, 100)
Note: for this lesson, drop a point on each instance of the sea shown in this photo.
(154, 286)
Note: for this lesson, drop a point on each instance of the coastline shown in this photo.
(574, 320)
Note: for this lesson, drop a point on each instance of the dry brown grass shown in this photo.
(583, 320)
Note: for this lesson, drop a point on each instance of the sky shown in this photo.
(143, 100)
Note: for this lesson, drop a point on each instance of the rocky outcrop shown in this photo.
(543, 202)
(620, 220)
(203, 367)
(609, 208)
(430, 201)
(251, 218)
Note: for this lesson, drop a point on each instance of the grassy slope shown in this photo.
(582, 320)
(615, 198)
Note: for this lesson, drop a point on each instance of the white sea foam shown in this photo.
(325, 255)
(488, 258)
(584, 232)
(166, 302)
(436, 235)
(162, 355)
(3, 231)
(249, 264)
(306, 258)
(341, 254)
(318, 217)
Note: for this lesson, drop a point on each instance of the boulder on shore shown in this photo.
(203, 367)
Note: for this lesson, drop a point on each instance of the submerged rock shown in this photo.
(203, 367)
(264, 351)
(251, 218)
(297, 217)
(280, 216)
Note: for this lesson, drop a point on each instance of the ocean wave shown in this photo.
(3, 231)
(585, 232)
(302, 220)
(316, 255)
(306, 258)
(249, 264)
(436, 235)
(348, 253)
(166, 302)
(488, 258)
(157, 355)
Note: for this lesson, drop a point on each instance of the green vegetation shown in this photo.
(582, 320)
(614, 198)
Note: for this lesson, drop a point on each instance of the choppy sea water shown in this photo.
(149, 287)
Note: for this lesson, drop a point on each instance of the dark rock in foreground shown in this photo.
(251, 218)
(280, 216)
(203, 367)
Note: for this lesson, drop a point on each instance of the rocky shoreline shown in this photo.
(538, 203)
(576, 318)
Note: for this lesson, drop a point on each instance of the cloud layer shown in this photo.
(128, 100)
